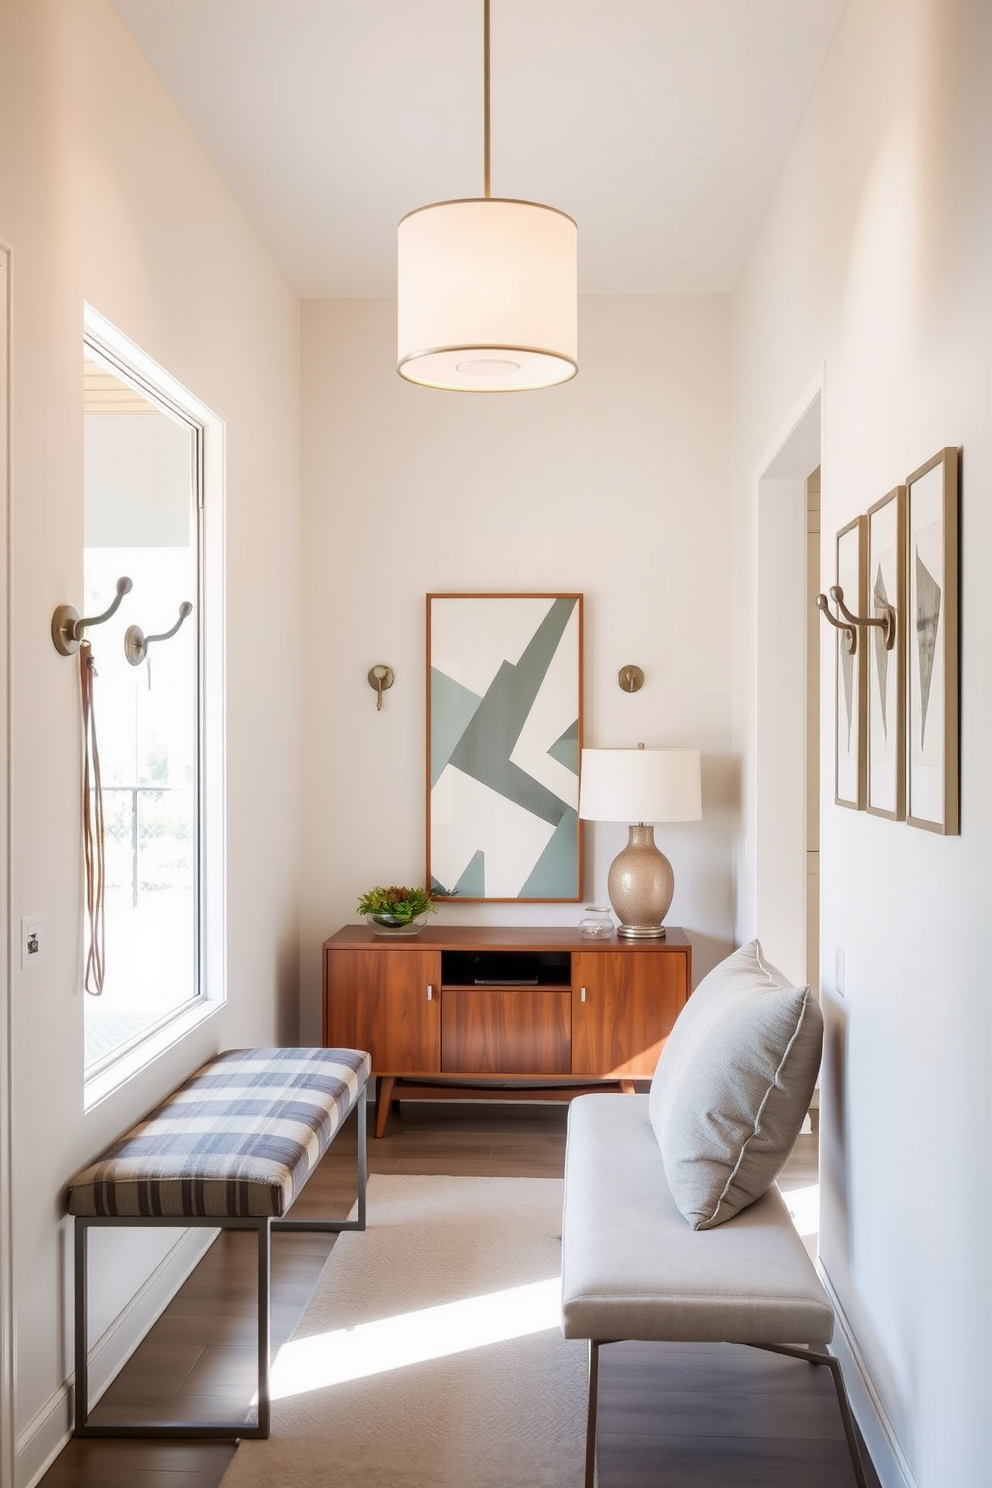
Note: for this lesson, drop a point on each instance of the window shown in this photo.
(143, 507)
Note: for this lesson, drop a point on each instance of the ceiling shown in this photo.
(659, 125)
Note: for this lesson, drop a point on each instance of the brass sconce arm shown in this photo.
(850, 631)
(380, 678)
(886, 621)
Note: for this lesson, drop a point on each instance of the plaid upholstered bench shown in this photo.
(230, 1149)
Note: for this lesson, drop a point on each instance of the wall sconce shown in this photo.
(630, 679)
(380, 678)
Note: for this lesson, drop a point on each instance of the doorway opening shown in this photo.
(787, 713)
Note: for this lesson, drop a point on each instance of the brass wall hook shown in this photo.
(136, 643)
(68, 625)
(380, 678)
(850, 631)
(886, 621)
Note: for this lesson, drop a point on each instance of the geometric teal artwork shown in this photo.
(566, 748)
(504, 734)
(454, 708)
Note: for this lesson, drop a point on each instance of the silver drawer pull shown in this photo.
(582, 994)
(430, 992)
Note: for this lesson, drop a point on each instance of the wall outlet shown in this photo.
(32, 940)
(838, 971)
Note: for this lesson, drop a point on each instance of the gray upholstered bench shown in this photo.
(632, 1268)
(230, 1149)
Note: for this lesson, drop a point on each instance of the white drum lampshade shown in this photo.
(487, 296)
(640, 787)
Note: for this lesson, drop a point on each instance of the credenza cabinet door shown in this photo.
(624, 1004)
(505, 1030)
(378, 1000)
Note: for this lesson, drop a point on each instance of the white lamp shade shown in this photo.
(487, 296)
(640, 785)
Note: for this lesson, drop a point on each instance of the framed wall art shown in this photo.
(932, 714)
(504, 734)
(851, 679)
(884, 656)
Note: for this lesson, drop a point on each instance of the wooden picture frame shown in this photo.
(932, 674)
(851, 679)
(885, 666)
(504, 737)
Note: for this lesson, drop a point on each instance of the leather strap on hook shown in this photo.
(93, 839)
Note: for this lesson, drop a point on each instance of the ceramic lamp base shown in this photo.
(641, 884)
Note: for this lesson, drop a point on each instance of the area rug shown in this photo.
(429, 1355)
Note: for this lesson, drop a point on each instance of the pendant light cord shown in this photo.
(93, 839)
(486, 134)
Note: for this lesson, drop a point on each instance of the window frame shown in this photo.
(135, 367)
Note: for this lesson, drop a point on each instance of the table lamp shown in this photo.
(640, 786)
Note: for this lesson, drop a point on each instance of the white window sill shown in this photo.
(97, 1087)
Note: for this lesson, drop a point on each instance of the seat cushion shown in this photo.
(239, 1138)
(632, 1267)
(733, 1086)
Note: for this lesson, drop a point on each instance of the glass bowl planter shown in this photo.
(389, 925)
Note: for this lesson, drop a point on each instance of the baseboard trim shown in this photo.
(44, 1436)
(883, 1447)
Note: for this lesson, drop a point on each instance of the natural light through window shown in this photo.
(414, 1337)
(804, 1206)
(141, 520)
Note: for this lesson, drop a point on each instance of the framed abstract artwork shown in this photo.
(851, 678)
(932, 671)
(884, 658)
(504, 734)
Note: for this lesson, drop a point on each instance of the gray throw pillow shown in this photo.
(733, 1085)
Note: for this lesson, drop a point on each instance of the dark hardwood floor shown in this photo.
(670, 1415)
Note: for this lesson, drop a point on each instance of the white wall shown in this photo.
(873, 262)
(616, 484)
(106, 197)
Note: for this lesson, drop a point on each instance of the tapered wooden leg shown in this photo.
(383, 1095)
(628, 1087)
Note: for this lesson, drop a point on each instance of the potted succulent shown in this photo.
(396, 910)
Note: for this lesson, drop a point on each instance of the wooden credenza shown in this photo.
(495, 1006)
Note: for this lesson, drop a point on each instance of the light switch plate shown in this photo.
(32, 940)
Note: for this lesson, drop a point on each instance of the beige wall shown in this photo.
(106, 197)
(872, 263)
(615, 484)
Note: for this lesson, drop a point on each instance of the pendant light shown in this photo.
(486, 289)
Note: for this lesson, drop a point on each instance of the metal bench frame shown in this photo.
(263, 1226)
(811, 1355)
